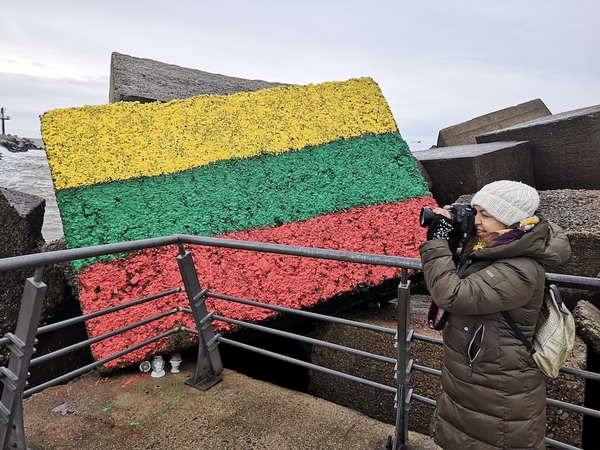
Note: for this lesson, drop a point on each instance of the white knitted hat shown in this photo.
(507, 201)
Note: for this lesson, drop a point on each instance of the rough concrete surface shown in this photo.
(146, 80)
(131, 410)
(565, 148)
(466, 132)
(464, 169)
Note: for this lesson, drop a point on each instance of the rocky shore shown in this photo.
(16, 144)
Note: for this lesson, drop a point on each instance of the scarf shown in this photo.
(501, 237)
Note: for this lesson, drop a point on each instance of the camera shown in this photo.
(462, 216)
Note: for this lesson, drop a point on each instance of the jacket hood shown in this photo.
(546, 243)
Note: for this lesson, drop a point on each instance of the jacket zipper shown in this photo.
(479, 338)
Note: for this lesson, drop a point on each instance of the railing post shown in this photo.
(209, 366)
(14, 376)
(403, 366)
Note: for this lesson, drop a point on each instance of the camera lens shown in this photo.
(426, 216)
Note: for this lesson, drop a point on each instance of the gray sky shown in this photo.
(438, 63)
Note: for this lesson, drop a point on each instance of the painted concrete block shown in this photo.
(316, 166)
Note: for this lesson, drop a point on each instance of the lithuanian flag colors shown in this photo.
(317, 165)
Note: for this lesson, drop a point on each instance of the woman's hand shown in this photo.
(441, 225)
(443, 211)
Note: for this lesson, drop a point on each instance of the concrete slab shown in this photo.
(145, 80)
(466, 132)
(130, 410)
(565, 148)
(465, 169)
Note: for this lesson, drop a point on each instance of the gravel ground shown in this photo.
(574, 210)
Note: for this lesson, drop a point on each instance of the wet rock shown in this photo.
(15, 144)
(22, 216)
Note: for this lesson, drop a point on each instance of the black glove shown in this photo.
(439, 228)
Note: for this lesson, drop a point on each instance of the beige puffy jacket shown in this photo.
(493, 395)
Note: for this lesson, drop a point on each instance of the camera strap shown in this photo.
(436, 317)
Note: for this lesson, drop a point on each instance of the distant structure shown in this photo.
(145, 80)
(3, 118)
(465, 133)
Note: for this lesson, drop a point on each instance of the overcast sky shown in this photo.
(438, 63)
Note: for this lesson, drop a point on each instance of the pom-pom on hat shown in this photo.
(507, 201)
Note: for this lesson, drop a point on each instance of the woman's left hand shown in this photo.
(441, 225)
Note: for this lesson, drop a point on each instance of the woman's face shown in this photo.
(484, 223)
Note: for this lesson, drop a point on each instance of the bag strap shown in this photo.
(555, 294)
(518, 332)
(434, 320)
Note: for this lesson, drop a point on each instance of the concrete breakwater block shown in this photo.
(565, 148)
(464, 169)
(145, 80)
(466, 132)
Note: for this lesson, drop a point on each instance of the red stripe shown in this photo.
(390, 229)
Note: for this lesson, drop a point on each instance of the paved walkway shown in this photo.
(131, 410)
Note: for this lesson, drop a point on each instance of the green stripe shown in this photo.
(240, 194)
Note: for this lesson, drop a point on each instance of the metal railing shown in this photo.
(209, 366)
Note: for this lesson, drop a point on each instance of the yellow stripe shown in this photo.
(118, 141)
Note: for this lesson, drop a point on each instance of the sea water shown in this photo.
(29, 172)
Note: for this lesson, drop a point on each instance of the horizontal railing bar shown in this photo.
(308, 365)
(4, 341)
(422, 399)
(561, 445)
(575, 408)
(82, 344)
(428, 370)
(82, 370)
(60, 256)
(305, 339)
(321, 253)
(300, 312)
(74, 320)
(429, 339)
(581, 373)
(568, 370)
(574, 281)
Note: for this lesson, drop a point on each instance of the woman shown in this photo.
(493, 395)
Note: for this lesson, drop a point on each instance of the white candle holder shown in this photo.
(158, 367)
(175, 362)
